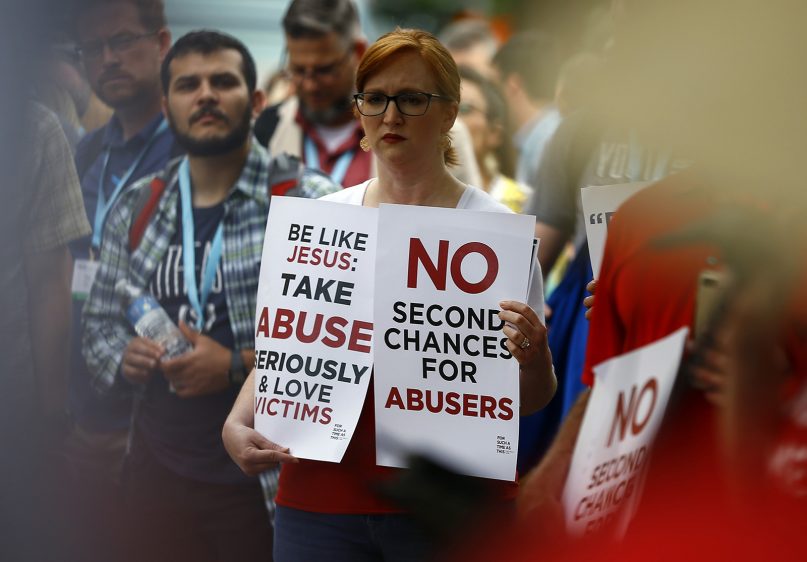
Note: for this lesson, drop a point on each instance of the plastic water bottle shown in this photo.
(150, 320)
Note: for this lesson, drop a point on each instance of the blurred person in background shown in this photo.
(58, 89)
(41, 213)
(472, 44)
(738, 210)
(409, 90)
(565, 166)
(579, 85)
(527, 68)
(65, 89)
(484, 111)
(47, 215)
(324, 43)
(588, 149)
(122, 43)
(571, 161)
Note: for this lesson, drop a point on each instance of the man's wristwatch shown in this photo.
(237, 373)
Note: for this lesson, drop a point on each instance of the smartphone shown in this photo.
(711, 287)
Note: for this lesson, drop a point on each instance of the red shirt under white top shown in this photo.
(349, 486)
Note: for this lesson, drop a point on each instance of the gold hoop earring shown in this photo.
(445, 142)
(364, 143)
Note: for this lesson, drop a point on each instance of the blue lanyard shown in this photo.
(102, 207)
(339, 169)
(189, 249)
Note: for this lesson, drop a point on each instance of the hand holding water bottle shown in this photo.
(141, 359)
(202, 370)
(158, 337)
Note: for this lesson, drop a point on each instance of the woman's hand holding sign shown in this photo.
(251, 451)
(588, 302)
(527, 342)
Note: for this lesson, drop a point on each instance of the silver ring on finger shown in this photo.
(525, 343)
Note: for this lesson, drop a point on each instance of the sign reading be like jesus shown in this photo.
(314, 325)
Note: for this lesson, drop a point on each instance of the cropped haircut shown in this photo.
(206, 41)
(152, 12)
(312, 19)
(431, 51)
(533, 56)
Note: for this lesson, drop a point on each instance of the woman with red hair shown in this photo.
(408, 96)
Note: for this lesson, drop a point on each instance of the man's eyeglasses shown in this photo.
(118, 44)
(316, 73)
(413, 104)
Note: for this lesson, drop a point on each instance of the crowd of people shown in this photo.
(152, 163)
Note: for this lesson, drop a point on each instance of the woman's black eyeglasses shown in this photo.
(413, 104)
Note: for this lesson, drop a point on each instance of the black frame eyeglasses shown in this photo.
(297, 74)
(117, 44)
(413, 104)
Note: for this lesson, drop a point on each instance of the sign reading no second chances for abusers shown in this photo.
(445, 383)
(623, 416)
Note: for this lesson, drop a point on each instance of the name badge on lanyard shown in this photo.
(84, 272)
(339, 169)
(198, 299)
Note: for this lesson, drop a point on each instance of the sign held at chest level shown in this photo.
(443, 386)
(623, 416)
(313, 327)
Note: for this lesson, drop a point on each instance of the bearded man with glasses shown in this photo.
(122, 44)
(324, 44)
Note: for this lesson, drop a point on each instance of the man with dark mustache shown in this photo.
(121, 43)
(195, 246)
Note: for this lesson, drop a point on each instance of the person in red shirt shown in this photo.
(728, 465)
(409, 90)
(731, 458)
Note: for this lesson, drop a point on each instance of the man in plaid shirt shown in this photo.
(198, 252)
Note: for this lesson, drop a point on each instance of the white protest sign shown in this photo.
(313, 326)
(599, 203)
(445, 383)
(623, 415)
